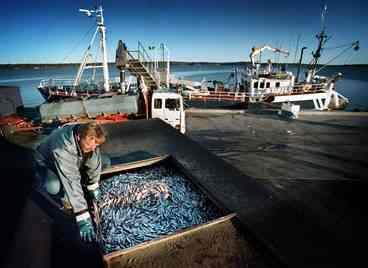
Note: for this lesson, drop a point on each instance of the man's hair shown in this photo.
(92, 129)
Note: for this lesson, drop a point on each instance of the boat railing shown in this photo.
(219, 96)
(57, 83)
(143, 57)
(69, 83)
(310, 87)
(257, 94)
(296, 89)
(158, 65)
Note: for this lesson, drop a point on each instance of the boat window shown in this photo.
(277, 84)
(255, 85)
(268, 85)
(172, 104)
(157, 103)
(261, 85)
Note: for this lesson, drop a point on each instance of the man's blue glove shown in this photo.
(86, 231)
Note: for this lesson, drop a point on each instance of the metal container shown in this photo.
(179, 241)
(185, 246)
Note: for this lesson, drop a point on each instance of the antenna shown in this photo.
(297, 47)
(322, 39)
(323, 15)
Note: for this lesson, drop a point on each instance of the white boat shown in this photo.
(280, 86)
(260, 83)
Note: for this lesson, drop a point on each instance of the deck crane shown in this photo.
(257, 50)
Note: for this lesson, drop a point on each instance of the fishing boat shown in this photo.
(147, 96)
(154, 71)
(262, 83)
(281, 86)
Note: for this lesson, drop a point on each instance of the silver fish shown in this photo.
(142, 205)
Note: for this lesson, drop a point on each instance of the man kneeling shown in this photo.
(67, 160)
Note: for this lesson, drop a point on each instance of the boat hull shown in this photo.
(123, 104)
(214, 104)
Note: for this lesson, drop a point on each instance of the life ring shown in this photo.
(306, 88)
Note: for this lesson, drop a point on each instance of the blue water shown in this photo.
(353, 85)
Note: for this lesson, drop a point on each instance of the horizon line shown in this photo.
(178, 62)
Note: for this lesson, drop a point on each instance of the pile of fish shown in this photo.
(142, 205)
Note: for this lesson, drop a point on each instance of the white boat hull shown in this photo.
(321, 100)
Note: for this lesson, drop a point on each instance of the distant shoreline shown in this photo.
(43, 65)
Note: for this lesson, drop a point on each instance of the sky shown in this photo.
(202, 30)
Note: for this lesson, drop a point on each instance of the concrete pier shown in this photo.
(315, 168)
(296, 186)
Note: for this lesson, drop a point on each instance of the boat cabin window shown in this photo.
(268, 85)
(255, 85)
(172, 104)
(261, 85)
(277, 84)
(157, 103)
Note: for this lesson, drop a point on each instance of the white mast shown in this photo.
(102, 30)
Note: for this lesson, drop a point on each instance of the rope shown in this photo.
(297, 47)
(342, 52)
(78, 43)
(112, 47)
(341, 46)
(349, 57)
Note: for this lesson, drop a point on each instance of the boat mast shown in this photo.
(300, 64)
(101, 29)
(322, 39)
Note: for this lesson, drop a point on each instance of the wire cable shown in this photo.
(78, 43)
(349, 57)
(340, 46)
(338, 55)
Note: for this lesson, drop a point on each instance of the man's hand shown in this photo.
(86, 231)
